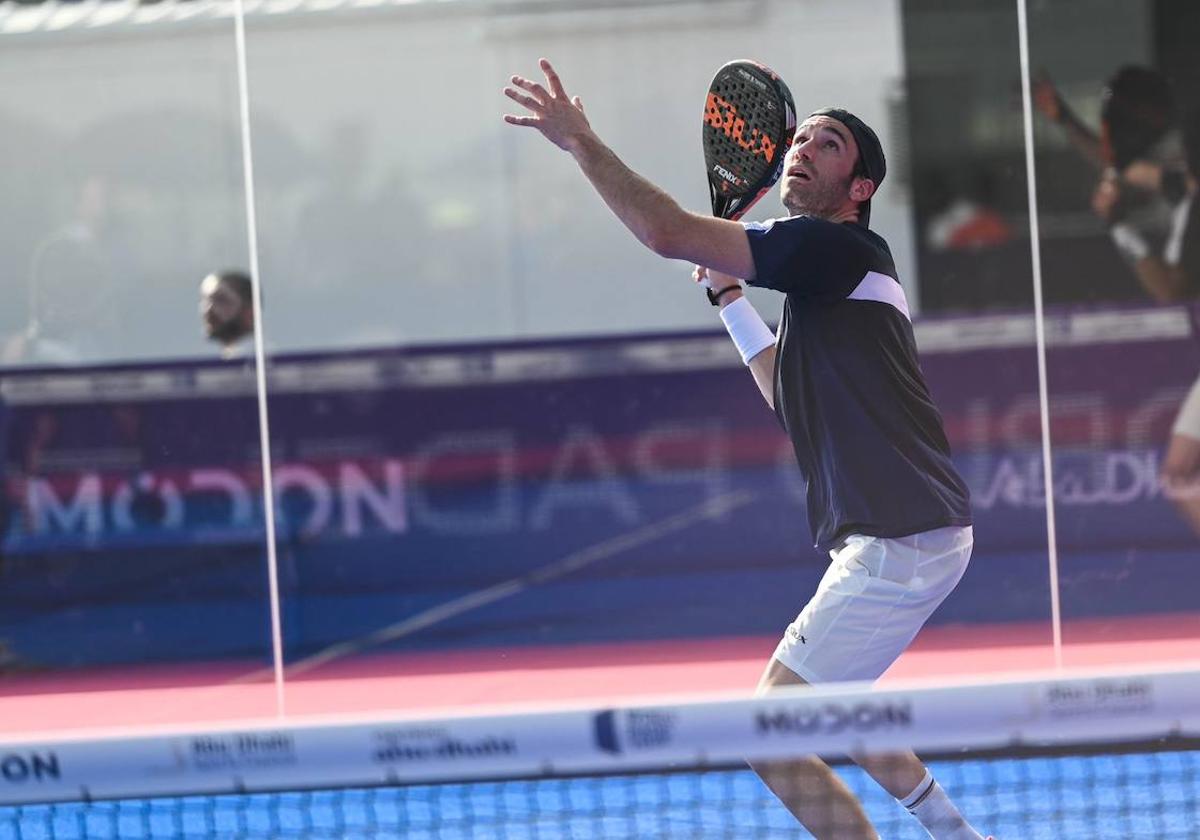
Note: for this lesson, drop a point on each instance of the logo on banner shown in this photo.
(834, 718)
(32, 767)
(342, 498)
(240, 751)
(1100, 697)
(396, 746)
(615, 732)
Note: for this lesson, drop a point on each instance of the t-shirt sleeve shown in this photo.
(808, 257)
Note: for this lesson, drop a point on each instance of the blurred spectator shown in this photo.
(968, 221)
(1174, 274)
(1139, 156)
(1183, 249)
(227, 311)
(1179, 277)
(74, 311)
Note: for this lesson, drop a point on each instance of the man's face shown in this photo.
(222, 311)
(817, 175)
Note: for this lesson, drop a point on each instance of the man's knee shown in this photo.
(776, 676)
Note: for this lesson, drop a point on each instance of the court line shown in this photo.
(573, 562)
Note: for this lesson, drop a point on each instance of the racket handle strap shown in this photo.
(749, 332)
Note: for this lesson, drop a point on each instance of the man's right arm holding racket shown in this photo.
(657, 220)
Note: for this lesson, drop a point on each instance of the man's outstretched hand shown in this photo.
(558, 117)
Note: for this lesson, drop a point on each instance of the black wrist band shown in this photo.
(715, 297)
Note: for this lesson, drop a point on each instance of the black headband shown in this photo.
(870, 151)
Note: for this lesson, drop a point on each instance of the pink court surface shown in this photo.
(433, 683)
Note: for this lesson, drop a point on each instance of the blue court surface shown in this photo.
(1113, 795)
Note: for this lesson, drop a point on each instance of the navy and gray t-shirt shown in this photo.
(848, 387)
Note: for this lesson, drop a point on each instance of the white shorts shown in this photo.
(874, 597)
(1187, 422)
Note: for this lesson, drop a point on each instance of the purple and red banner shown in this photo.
(600, 490)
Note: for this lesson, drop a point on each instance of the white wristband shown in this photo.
(1129, 242)
(748, 331)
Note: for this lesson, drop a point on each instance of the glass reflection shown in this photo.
(1115, 106)
(133, 551)
(970, 205)
(493, 411)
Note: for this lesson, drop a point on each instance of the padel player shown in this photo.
(883, 496)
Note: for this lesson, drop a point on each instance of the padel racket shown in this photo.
(749, 122)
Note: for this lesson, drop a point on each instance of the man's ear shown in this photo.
(861, 189)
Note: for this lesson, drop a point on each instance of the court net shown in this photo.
(1096, 756)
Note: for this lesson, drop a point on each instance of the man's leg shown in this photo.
(872, 600)
(901, 774)
(808, 787)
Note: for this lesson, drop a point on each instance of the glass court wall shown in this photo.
(1118, 95)
(505, 438)
(133, 553)
(587, 474)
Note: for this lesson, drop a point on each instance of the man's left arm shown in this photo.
(654, 217)
(754, 340)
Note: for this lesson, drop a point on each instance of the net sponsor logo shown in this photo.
(834, 718)
(240, 751)
(1099, 698)
(616, 732)
(402, 746)
(31, 767)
